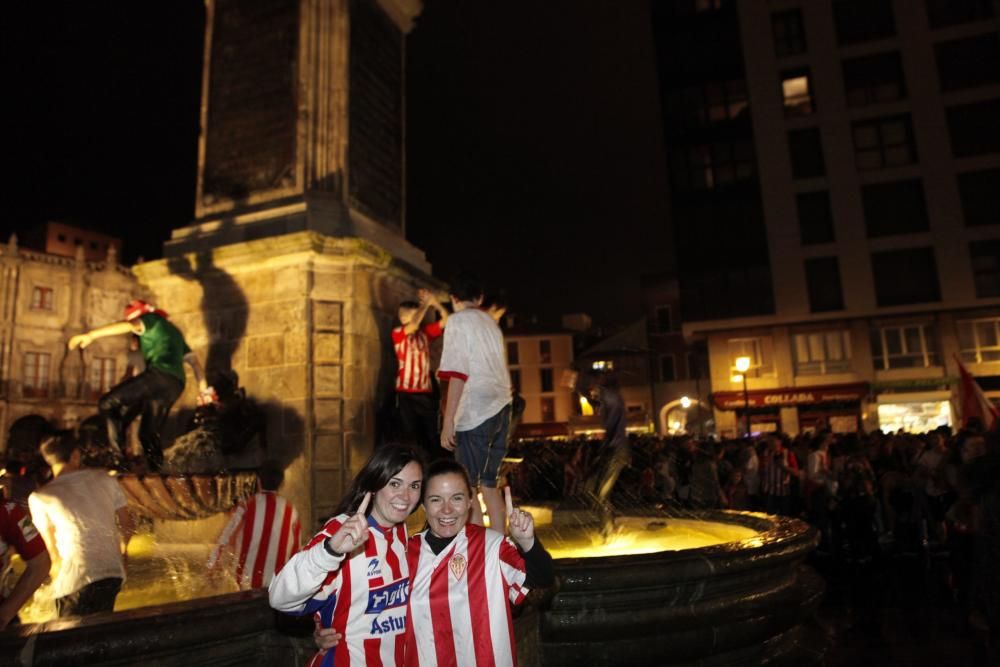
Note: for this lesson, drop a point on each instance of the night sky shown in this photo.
(535, 152)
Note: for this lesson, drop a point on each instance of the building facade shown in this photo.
(834, 170)
(44, 299)
(538, 363)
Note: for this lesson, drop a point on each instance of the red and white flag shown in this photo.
(972, 402)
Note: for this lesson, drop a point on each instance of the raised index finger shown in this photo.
(506, 497)
(364, 503)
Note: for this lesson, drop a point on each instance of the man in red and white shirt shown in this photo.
(18, 533)
(263, 532)
(418, 407)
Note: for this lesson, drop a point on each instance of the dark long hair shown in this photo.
(384, 464)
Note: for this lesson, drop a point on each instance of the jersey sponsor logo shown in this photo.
(394, 624)
(27, 528)
(388, 597)
(373, 568)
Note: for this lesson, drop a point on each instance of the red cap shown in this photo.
(136, 308)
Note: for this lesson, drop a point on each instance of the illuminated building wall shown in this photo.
(877, 169)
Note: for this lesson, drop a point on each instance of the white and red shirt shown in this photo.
(413, 351)
(263, 533)
(363, 597)
(459, 612)
(17, 533)
(474, 352)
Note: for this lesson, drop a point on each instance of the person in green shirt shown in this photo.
(152, 392)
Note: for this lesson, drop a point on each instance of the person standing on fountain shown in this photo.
(415, 400)
(353, 575)
(152, 392)
(477, 409)
(263, 532)
(615, 452)
(83, 517)
(17, 532)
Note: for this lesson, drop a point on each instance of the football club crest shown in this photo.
(457, 565)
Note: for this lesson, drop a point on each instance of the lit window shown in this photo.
(906, 346)
(796, 92)
(759, 351)
(603, 365)
(41, 298)
(979, 340)
(36, 374)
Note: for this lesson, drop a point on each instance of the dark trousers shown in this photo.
(95, 597)
(418, 417)
(149, 394)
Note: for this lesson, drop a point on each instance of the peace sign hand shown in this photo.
(353, 532)
(522, 524)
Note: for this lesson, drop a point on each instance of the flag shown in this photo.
(972, 402)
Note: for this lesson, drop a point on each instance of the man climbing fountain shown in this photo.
(152, 392)
(615, 452)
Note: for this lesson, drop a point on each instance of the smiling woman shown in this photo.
(353, 574)
(462, 576)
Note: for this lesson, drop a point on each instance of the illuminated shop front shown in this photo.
(914, 412)
(836, 407)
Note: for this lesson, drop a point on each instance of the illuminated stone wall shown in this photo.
(305, 320)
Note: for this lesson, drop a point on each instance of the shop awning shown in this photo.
(790, 396)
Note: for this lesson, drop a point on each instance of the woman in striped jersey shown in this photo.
(462, 576)
(353, 575)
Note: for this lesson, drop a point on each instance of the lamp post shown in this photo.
(743, 365)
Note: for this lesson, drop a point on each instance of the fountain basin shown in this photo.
(746, 601)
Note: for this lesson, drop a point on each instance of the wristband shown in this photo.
(330, 550)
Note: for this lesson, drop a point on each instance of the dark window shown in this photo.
(36, 374)
(874, 79)
(823, 284)
(974, 128)
(546, 377)
(712, 166)
(969, 62)
(789, 33)
(42, 298)
(894, 208)
(796, 93)
(806, 152)
(663, 319)
(815, 219)
(979, 191)
(942, 13)
(667, 372)
(884, 142)
(713, 102)
(986, 267)
(512, 354)
(905, 276)
(548, 409)
(545, 352)
(78, 241)
(515, 380)
(863, 20)
(904, 346)
(61, 237)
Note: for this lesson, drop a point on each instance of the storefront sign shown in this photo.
(790, 396)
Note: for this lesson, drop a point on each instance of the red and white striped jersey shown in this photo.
(263, 532)
(459, 612)
(363, 597)
(414, 356)
(17, 533)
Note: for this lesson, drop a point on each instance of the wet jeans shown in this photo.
(149, 394)
(93, 598)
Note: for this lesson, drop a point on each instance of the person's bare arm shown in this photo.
(413, 326)
(191, 359)
(114, 329)
(427, 298)
(455, 387)
(35, 572)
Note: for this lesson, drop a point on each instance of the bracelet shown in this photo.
(330, 550)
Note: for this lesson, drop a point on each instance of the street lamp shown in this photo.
(743, 365)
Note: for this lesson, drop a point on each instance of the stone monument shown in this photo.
(293, 269)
